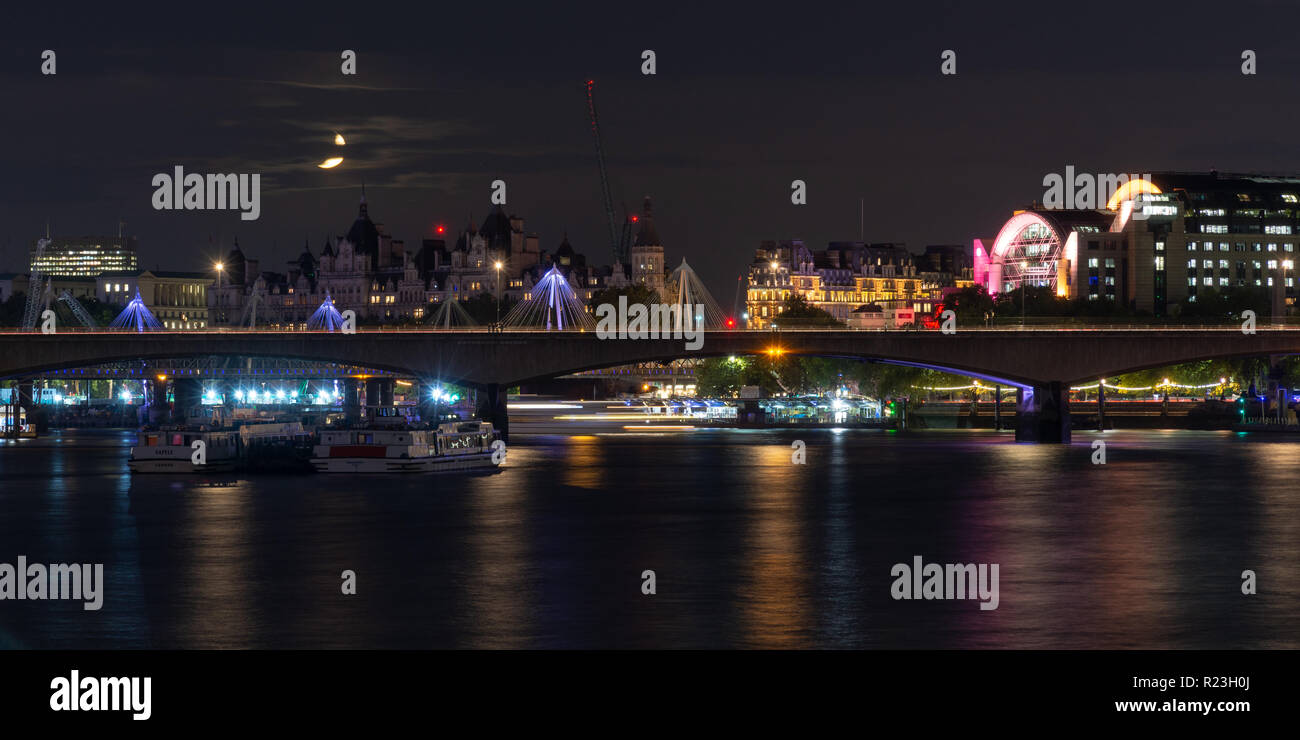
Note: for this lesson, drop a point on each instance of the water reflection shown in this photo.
(750, 549)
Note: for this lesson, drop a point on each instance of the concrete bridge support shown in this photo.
(424, 395)
(1043, 413)
(159, 412)
(188, 395)
(492, 407)
(351, 390)
(35, 412)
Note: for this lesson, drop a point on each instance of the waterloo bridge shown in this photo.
(1041, 363)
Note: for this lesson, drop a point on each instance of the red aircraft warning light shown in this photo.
(440, 229)
(731, 323)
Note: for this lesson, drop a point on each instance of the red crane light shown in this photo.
(440, 228)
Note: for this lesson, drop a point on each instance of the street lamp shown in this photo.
(498, 266)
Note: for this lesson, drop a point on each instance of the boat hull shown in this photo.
(177, 465)
(438, 464)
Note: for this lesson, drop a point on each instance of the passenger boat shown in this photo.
(282, 447)
(172, 451)
(451, 446)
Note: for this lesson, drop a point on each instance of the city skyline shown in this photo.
(334, 335)
(867, 121)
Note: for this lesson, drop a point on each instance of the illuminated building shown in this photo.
(373, 274)
(86, 256)
(838, 280)
(1156, 243)
(647, 252)
(179, 300)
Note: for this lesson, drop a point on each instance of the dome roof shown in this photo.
(496, 229)
(363, 234)
(647, 236)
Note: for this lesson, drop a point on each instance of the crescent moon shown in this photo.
(330, 163)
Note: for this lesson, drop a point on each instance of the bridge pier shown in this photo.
(187, 394)
(158, 410)
(25, 392)
(35, 414)
(351, 401)
(492, 407)
(372, 392)
(424, 401)
(1043, 413)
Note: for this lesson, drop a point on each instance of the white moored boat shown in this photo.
(453, 446)
(172, 451)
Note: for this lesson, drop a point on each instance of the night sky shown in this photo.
(747, 98)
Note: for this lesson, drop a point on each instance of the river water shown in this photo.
(748, 548)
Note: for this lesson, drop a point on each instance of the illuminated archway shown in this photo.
(1027, 250)
(1129, 191)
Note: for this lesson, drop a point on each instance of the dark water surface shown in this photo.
(749, 550)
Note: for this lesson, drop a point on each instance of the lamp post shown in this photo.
(220, 268)
(498, 266)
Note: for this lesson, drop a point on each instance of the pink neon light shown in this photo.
(1013, 227)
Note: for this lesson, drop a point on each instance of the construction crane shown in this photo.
(78, 310)
(615, 244)
(38, 286)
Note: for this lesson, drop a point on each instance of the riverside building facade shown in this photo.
(1158, 242)
(839, 280)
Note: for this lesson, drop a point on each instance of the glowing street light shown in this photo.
(498, 266)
